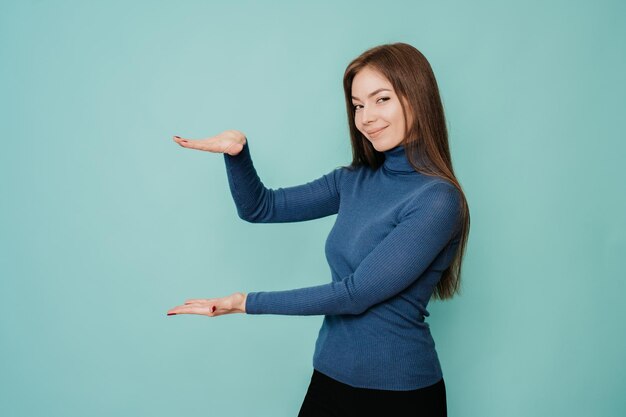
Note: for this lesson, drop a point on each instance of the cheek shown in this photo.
(398, 123)
(357, 122)
(398, 116)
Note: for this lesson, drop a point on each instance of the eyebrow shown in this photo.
(373, 93)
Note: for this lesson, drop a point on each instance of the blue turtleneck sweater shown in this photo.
(396, 231)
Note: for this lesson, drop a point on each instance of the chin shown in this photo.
(384, 146)
(378, 147)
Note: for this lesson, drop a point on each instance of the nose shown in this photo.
(367, 115)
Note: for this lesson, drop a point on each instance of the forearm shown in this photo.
(256, 203)
(244, 182)
(335, 297)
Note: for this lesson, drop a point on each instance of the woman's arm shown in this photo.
(401, 258)
(257, 204)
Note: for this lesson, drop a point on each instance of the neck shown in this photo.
(396, 161)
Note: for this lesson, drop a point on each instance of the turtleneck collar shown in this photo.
(396, 161)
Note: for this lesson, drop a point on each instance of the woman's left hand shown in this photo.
(234, 303)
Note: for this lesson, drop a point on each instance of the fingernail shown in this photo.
(171, 314)
(213, 309)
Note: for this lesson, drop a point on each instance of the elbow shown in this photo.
(246, 214)
(256, 215)
(246, 217)
(355, 302)
(355, 308)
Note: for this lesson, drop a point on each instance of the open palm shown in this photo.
(229, 141)
(234, 303)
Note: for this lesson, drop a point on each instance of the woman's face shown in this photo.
(376, 106)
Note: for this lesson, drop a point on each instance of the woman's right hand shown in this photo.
(229, 141)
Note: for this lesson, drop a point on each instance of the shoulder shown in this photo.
(345, 173)
(440, 187)
(443, 194)
(436, 196)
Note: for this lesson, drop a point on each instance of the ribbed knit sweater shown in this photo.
(396, 231)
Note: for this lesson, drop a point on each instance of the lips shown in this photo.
(372, 132)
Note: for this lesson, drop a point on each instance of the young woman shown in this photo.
(398, 240)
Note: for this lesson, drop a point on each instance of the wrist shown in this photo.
(242, 306)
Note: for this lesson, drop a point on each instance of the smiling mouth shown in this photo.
(376, 132)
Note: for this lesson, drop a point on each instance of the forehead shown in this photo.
(368, 80)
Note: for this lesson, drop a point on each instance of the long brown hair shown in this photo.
(413, 80)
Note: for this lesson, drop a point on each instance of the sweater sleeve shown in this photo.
(427, 226)
(257, 204)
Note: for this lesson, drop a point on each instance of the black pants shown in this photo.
(328, 397)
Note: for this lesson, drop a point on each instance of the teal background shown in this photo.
(107, 223)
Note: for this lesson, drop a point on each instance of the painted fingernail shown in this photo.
(171, 314)
(213, 309)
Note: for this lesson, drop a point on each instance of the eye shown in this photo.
(354, 107)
